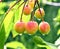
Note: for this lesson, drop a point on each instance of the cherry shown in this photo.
(27, 10)
(19, 27)
(44, 27)
(39, 13)
(31, 27)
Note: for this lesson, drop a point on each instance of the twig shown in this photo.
(40, 10)
(23, 10)
(33, 12)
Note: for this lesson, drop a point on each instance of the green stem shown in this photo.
(33, 12)
(22, 11)
(40, 10)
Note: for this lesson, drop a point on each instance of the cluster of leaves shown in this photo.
(11, 39)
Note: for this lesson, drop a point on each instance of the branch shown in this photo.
(33, 12)
(25, 1)
(12, 7)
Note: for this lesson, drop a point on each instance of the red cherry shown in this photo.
(44, 27)
(19, 27)
(39, 14)
(31, 27)
(27, 10)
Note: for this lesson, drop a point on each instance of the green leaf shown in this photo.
(15, 45)
(41, 43)
(5, 28)
(2, 4)
(16, 18)
(8, 23)
(52, 46)
(58, 32)
(43, 46)
(38, 40)
(14, 33)
(2, 37)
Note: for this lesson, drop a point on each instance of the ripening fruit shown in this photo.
(44, 27)
(39, 14)
(27, 10)
(31, 27)
(31, 3)
(19, 27)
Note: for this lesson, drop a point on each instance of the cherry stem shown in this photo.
(23, 9)
(40, 10)
(33, 12)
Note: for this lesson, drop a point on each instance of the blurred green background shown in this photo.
(13, 40)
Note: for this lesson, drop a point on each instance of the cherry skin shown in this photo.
(44, 27)
(31, 27)
(39, 14)
(19, 27)
(27, 10)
